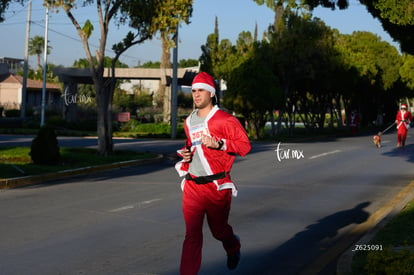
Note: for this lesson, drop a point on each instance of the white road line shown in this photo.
(122, 208)
(131, 206)
(325, 154)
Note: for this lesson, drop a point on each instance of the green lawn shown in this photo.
(396, 253)
(16, 161)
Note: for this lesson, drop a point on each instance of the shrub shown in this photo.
(44, 148)
(12, 113)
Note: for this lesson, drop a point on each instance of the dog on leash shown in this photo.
(377, 140)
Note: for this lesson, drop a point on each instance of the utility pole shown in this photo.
(174, 89)
(26, 61)
(42, 118)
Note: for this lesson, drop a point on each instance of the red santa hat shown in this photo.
(204, 81)
(403, 106)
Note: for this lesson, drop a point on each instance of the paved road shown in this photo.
(129, 221)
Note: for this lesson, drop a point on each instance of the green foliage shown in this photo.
(16, 162)
(44, 148)
(185, 63)
(150, 128)
(184, 100)
(36, 47)
(12, 113)
(87, 29)
(374, 59)
(151, 64)
(397, 12)
(132, 102)
(182, 63)
(396, 17)
(253, 89)
(390, 261)
(84, 63)
(397, 239)
(134, 128)
(407, 70)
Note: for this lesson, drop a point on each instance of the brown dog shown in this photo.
(377, 140)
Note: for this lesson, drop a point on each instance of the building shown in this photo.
(11, 92)
(14, 64)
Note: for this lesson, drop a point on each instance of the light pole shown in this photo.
(42, 117)
(26, 60)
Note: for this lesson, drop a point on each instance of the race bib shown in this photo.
(196, 132)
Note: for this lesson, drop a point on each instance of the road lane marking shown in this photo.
(325, 154)
(131, 206)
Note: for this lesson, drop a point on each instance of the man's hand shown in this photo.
(209, 142)
(187, 155)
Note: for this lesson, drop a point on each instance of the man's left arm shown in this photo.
(235, 139)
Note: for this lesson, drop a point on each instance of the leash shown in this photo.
(387, 128)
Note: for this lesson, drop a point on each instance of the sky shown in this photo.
(234, 16)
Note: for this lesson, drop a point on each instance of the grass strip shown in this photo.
(395, 243)
(16, 161)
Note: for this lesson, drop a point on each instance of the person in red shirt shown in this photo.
(354, 122)
(403, 121)
(213, 139)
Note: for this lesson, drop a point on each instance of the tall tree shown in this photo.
(253, 90)
(407, 70)
(174, 12)
(280, 7)
(208, 58)
(36, 47)
(377, 66)
(144, 17)
(396, 17)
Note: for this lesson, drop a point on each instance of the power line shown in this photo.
(77, 39)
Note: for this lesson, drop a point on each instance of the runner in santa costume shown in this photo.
(213, 139)
(403, 121)
(354, 122)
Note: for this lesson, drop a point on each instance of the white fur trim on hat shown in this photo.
(204, 86)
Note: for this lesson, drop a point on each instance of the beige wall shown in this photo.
(10, 95)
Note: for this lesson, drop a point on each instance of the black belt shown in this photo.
(205, 179)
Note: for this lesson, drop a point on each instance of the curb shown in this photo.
(30, 180)
(360, 234)
(374, 223)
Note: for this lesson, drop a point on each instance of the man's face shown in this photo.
(201, 98)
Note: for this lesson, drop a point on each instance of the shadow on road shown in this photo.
(304, 247)
(406, 152)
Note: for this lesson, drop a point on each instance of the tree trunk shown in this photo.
(70, 107)
(38, 62)
(272, 122)
(104, 126)
(164, 90)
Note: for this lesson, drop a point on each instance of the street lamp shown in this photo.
(42, 117)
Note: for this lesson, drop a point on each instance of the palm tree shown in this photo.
(36, 46)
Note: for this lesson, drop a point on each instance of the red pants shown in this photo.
(198, 201)
(402, 135)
